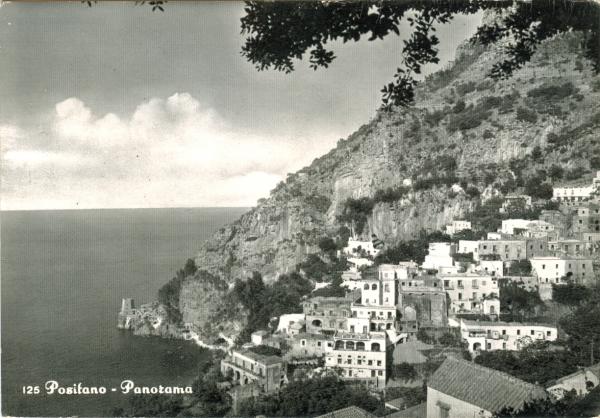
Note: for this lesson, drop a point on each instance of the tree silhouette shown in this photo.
(278, 33)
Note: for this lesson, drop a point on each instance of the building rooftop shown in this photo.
(471, 322)
(349, 412)
(483, 387)
(375, 335)
(264, 359)
(417, 411)
(307, 336)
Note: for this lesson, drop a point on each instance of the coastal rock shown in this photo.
(474, 150)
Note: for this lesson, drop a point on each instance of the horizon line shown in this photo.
(126, 208)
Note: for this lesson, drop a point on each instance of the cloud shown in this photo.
(170, 152)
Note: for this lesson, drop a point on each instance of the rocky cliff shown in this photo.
(466, 137)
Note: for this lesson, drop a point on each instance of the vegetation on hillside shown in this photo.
(312, 397)
(168, 294)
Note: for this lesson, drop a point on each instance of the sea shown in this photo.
(63, 275)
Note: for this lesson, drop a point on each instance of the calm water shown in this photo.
(63, 276)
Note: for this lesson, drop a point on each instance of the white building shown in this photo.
(366, 319)
(440, 255)
(402, 270)
(357, 262)
(457, 226)
(572, 195)
(486, 335)
(582, 382)
(554, 269)
(466, 246)
(355, 248)
(509, 225)
(287, 320)
(491, 267)
(378, 292)
(515, 201)
(472, 292)
(359, 357)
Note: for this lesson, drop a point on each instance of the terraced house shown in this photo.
(360, 357)
(488, 335)
(247, 367)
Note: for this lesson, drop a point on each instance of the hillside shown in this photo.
(466, 138)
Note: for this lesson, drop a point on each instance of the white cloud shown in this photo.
(170, 152)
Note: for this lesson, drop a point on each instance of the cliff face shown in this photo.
(463, 126)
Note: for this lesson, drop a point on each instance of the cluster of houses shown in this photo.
(459, 282)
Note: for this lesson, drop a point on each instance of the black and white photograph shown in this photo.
(300, 208)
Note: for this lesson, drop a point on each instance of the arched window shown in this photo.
(375, 347)
(366, 286)
(373, 286)
(316, 323)
(360, 346)
(349, 345)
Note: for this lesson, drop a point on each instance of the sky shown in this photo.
(116, 106)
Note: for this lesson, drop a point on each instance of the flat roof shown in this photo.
(507, 324)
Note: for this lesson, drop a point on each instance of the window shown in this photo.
(446, 283)
(532, 332)
(379, 362)
(504, 346)
(460, 296)
(372, 373)
(380, 372)
(386, 288)
(474, 295)
(373, 286)
(489, 346)
(370, 362)
(503, 332)
(543, 267)
(518, 332)
(548, 333)
(318, 343)
(339, 361)
(303, 343)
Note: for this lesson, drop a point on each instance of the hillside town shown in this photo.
(395, 319)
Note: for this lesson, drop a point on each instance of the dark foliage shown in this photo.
(168, 294)
(356, 212)
(526, 115)
(404, 371)
(263, 302)
(570, 294)
(327, 245)
(410, 395)
(310, 398)
(520, 268)
(530, 364)
(544, 407)
(519, 302)
(319, 202)
(278, 33)
(583, 328)
(391, 194)
(265, 350)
